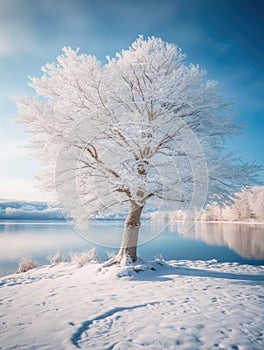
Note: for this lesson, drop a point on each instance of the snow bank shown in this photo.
(158, 305)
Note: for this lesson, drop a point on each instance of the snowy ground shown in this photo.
(183, 305)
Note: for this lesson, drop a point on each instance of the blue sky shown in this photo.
(225, 37)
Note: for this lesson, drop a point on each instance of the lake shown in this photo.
(225, 242)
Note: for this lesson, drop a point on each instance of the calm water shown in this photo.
(225, 242)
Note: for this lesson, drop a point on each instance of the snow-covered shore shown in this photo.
(179, 305)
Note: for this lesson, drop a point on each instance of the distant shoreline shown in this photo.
(215, 222)
(65, 221)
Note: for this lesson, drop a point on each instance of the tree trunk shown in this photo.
(131, 231)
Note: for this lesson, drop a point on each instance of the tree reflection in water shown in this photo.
(245, 239)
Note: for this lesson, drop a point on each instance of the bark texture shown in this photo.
(131, 232)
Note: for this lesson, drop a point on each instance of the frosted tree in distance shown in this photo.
(143, 129)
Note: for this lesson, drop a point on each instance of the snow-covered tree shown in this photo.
(248, 206)
(143, 129)
(256, 203)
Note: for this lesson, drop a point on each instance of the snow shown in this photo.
(157, 305)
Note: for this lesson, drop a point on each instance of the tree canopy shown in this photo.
(143, 128)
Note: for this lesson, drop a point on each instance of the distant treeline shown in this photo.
(249, 206)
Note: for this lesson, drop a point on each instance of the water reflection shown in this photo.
(108, 233)
(18, 239)
(246, 240)
(224, 242)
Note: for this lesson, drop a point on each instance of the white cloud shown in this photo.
(20, 188)
(10, 147)
(16, 38)
(15, 34)
(25, 24)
